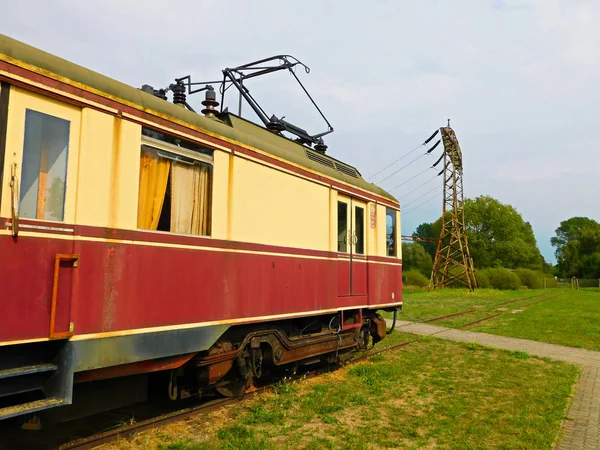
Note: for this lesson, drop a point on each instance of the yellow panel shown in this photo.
(333, 199)
(271, 207)
(399, 234)
(220, 192)
(20, 101)
(381, 232)
(372, 232)
(108, 171)
(125, 167)
(93, 195)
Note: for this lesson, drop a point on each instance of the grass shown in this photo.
(432, 393)
(572, 319)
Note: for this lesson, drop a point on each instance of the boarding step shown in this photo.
(27, 370)
(30, 407)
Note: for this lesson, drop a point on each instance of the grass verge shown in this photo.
(571, 319)
(432, 393)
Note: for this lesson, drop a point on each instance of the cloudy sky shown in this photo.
(518, 79)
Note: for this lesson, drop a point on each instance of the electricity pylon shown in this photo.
(453, 261)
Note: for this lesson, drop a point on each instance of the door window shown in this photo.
(390, 232)
(359, 230)
(44, 173)
(342, 227)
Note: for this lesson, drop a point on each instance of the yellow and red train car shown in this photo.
(139, 237)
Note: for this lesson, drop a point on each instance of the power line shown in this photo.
(420, 186)
(428, 192)
(399, 159)
(410, 179)
(421, 204)
(416, 159)
(427, 141)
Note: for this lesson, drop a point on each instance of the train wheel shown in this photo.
(233, 386)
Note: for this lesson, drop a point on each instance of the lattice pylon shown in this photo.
(453, 260)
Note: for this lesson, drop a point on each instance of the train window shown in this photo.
(359, 230)
(45, 152)
(390, 231)
(4, 94)
(342, 227)
(175, 189)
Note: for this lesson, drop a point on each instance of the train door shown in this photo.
(351, 246)
(38, 196)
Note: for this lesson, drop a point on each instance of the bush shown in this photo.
(503, 279)
(414, 277)
(531, 278)
(414, 256)
(483, 281)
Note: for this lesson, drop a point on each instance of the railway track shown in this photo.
(493, 305)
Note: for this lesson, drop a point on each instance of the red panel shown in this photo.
(26, 276)
(343, 277)
(359, 277)
(385, 283)
(120, 286)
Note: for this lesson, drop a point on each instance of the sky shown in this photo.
(519, 80)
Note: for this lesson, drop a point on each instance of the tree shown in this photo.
(577, 243)
(414, 256)
(498, 236)
(426, 230)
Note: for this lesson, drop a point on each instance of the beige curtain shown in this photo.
(190, 198)
(154, 175)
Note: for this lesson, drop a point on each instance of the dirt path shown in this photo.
(582, 428)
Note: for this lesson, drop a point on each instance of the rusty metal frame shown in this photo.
(358, 324)
(57, 260)
(453, 262)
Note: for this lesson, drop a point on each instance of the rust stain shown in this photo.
(113, 272)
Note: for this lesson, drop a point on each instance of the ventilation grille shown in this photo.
(314, 156)
(346, 169)
(317, 157)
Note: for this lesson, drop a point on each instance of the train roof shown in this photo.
(227, 125)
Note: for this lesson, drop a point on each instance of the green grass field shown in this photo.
(572, 318)
(432, 393)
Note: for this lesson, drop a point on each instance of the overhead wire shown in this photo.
(410, 179)
(421, 196)
(427, 141)
(398, 160)
(420, 204)
(408, 164)
(421, 185)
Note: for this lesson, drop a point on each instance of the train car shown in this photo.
(139, 239)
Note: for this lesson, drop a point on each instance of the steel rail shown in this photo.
(474, 310)
(502, 313)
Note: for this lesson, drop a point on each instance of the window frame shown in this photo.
(157, 144)
(179, 154)
(345, 201)
(395, 215)
(20, 101)
(363, 240)
(4, 102)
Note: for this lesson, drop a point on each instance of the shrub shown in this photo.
(531, 278)
(483, 281)
(551, 282)
(503, 279)
(414, 277)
